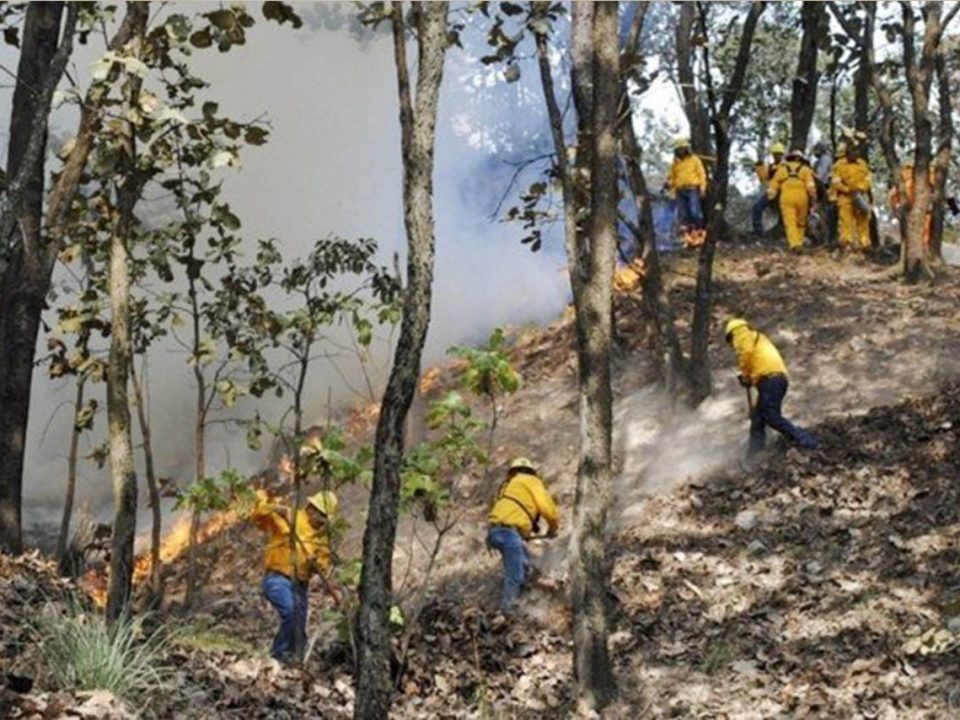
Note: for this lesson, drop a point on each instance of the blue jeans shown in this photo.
(769, 411)
(508, 542)
(689, 212)
(290, 600)
(759, 205)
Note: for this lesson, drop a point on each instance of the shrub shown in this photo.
(82, 652)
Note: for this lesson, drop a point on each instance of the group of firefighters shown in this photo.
(299, 546)
(797, 185)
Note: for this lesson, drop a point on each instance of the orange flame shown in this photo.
(627, 278)
(694, 238)
(95, 581)
(430, 380)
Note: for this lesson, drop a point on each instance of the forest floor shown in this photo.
(818, 584)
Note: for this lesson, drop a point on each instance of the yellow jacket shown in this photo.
(757, 357)
(687, 172)
(766, 172)
(312, 547)
(850, 177)
(521, 500)
(793, 178)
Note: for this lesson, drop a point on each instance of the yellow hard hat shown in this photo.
(681, 143)
(733, 324)
(522, 463)
(777, 149)
(325, 501)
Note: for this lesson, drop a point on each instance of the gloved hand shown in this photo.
(743, 380)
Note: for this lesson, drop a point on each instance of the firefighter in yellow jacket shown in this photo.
(765, 173)
(521, 503)
(289, 563)
(761, 366)
(687, 182)
(794, 182)
(851, 183)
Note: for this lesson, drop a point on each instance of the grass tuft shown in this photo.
(81, 652)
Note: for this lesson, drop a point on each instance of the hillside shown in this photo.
(812, 586)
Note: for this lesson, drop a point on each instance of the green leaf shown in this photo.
(255, 135)
(201, 39)
(281, 12)
(223, 19)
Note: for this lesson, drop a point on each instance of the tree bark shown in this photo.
(920, 72)
(418, 119)
(944, 156)
(803, 100)
(199, 429)
(589, 564)
(42, 61)
(153, 488)
(721, 105)
(28, 267)
(693, 106)
(122, 470)
(655, 299)
(72, 459)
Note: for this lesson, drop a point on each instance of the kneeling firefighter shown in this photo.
(762, 367)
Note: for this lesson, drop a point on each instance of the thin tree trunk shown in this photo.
(589, 564)
(720, 109)
(153, 487)
(122, 469)
(693, 106)
(655, 299)
(670, 359)
(40, 68)
(943, 158)
(919, 80)
(418, 125)
(803, 100)
(72, 458)
(199, 432)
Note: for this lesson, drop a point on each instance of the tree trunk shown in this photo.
(199, 433)
(27, 274)
(919, 80)
(122, 470)
(593, 302)
(72, 458)
(655, 299)
(693, 106)
(721, 105)
(803, 101)
(944, 156)
(418, 125)
(156, 591)
(21, 297)
(669, 354)
(861, 94)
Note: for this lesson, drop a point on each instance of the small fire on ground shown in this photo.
(175, 543)
(694, 238)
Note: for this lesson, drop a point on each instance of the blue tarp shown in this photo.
(664, 210)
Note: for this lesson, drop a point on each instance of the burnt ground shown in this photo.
(820, 584)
